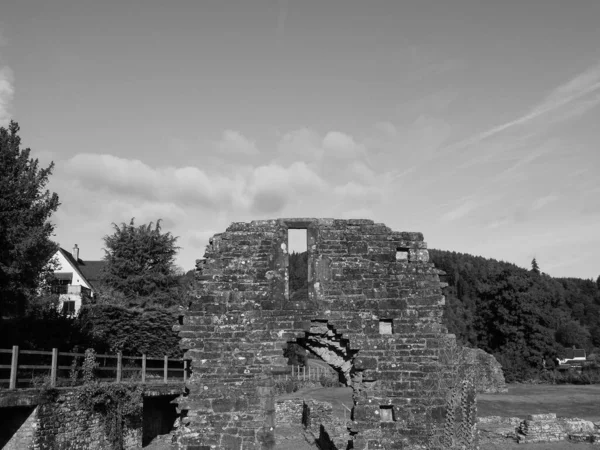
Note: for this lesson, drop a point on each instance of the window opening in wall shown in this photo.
(386, 413)
(386, 326)
(298, 265)
(68, 307)
(402, 254)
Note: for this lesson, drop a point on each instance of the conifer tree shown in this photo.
(140, 262)
(25, 227)
(534, 266)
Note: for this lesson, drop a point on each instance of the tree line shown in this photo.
(525, 318)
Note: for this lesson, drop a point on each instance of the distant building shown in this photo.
(573, 355)
(75, 280)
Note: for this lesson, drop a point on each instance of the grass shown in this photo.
(523, 399)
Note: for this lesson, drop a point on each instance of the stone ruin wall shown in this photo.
(241, 320)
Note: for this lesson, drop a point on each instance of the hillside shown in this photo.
(520, 316)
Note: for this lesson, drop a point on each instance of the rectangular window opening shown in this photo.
(402, 254)
(69, 307)
(298, 265)
(386, 413)
(386, 326)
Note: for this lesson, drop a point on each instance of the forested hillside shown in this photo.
(521, 316)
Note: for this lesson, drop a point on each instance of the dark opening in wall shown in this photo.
(298, 265)
(402, 254)
(386, 413)
(386, 326)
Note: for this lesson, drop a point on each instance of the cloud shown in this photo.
(459, 212)
(272, 186)
(234, 142)
(543, 201)
(302, 144)
(7, 92)
(341, 145)
(263, 189)
(570, 99)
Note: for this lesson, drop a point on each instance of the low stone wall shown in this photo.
(537, 428)
(59, 424)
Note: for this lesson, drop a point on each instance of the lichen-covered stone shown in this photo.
(488, 374)
(373, 310)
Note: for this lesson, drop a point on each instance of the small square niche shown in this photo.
(386, 413)
(386, 326)
(402, 254)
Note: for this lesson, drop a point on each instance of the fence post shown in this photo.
(143, 367)
(119, 366)
(185, 369)
(304, 372)
(13, 367)
(54, 367)
(166, 368)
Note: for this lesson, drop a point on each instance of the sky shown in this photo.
(473, 122)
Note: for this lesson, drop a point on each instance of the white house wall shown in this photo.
(66, 266)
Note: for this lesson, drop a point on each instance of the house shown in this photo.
(75, 280)
(573, 355)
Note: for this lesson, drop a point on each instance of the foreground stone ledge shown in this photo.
(537, 428)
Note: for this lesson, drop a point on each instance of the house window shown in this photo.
(69, 307)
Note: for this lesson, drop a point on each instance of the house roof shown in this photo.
(571, 353)
(91, 271)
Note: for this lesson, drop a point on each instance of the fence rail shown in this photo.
(172, 370)
(306, 373)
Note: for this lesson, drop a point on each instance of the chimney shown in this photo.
(76, 253)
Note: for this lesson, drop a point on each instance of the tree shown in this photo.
(25, 229)
(534, 266)
(140, 263)
(572, 334)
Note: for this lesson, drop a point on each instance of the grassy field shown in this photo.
(582, 401)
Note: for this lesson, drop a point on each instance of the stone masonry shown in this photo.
(373, 313)
(60, 424)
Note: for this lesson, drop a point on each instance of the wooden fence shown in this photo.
(306, 373)
(27, 366)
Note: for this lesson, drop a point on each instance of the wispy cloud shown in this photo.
(461, 211)
(543, 201)
(7, 92)
(571, 99)
(281, 16)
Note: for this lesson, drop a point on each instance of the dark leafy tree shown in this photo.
(298, 272)
(535, 268)
(572, 334)
(140, 264)
(520, 317)
(25, 227)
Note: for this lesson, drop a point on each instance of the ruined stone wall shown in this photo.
(365, 281)
(60, 424)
